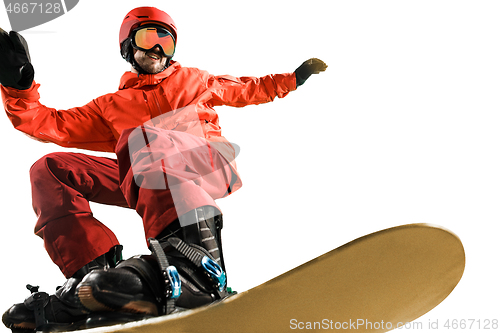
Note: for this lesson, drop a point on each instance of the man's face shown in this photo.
(152, 61)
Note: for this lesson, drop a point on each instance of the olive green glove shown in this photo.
(309, 67)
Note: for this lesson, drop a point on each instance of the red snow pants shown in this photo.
(161, 174)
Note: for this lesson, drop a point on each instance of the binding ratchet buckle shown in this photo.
(215, 272)
(170, 274)
(175, 282)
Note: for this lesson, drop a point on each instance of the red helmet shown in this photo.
(140, 16)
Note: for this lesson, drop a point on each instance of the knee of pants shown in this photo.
(58, 175)
(46, 167)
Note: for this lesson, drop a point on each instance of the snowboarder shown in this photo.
(172, 163)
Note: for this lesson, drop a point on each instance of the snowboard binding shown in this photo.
(179, 273)
(185, 270)
(44, 321)
(61, 311)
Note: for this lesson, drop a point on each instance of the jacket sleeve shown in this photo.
(80, 127)
(238, 92)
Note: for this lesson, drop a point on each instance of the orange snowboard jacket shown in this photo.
(142, 99)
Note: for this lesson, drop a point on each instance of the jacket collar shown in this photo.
(133, 80)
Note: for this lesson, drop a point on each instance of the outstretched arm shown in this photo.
(81, 127)
(247, 90)
(241, 91)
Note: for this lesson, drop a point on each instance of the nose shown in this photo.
(157, 49)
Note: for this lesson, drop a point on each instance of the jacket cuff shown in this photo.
(284, 84)
(31, 93)
(291, 81)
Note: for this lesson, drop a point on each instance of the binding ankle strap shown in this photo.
(204, 261)
(170, 275)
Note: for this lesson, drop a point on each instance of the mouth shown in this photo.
(153, 56)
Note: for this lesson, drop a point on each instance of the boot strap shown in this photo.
(169, 273)
(37, 303)
(204, 262)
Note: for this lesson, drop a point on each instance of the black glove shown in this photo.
(309, 67)
(16, 70)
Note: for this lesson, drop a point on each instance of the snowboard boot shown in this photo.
(180, 274)
(59, 312)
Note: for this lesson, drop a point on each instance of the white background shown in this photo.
(402, 128)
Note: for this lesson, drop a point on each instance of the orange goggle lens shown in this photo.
(148, 37)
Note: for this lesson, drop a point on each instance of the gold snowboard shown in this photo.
(375, 283)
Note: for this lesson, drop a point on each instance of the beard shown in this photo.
(150, 62)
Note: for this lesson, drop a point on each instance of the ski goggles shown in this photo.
(148, 37)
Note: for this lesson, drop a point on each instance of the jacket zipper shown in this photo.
(155, 98)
